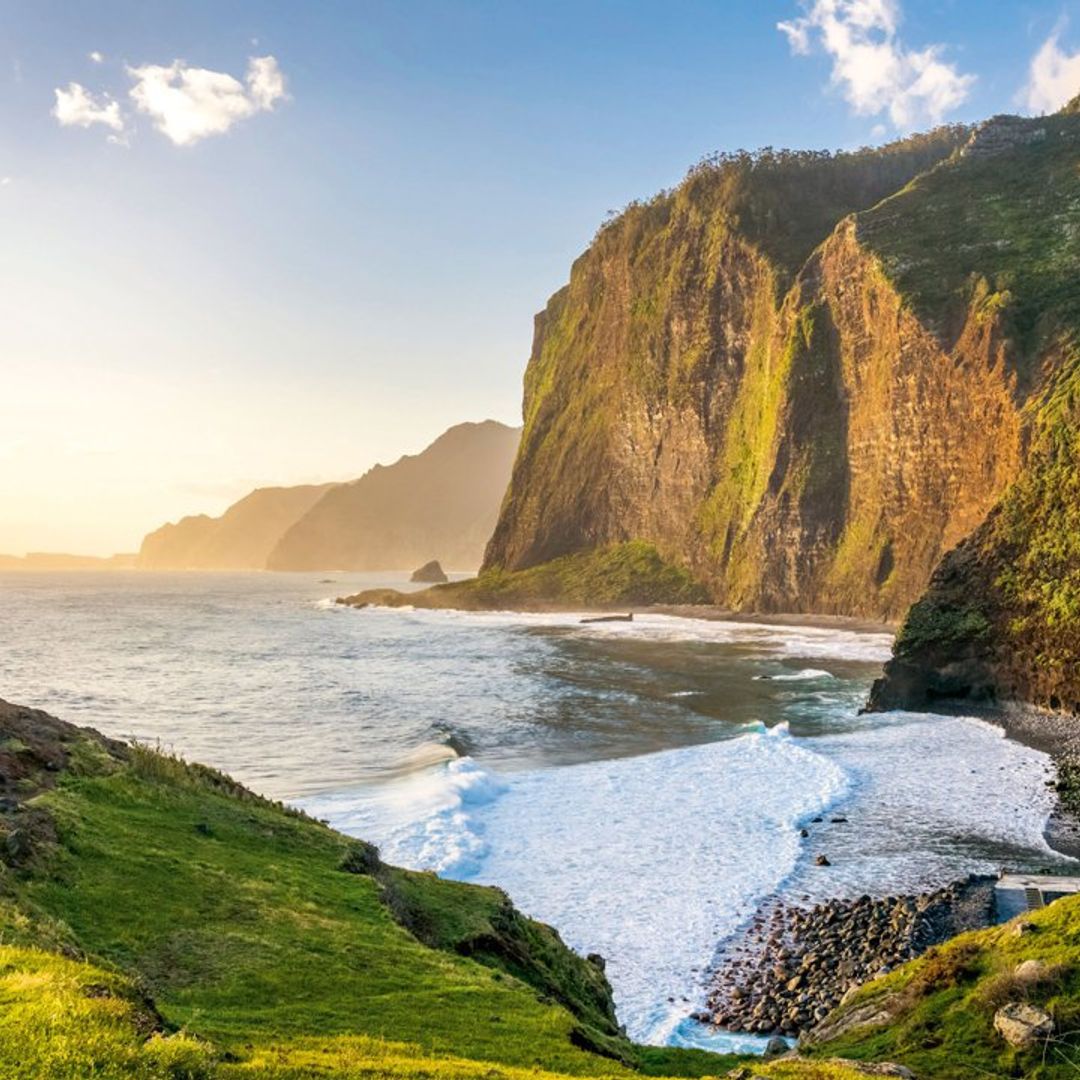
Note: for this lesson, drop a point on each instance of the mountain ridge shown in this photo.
(440, 503)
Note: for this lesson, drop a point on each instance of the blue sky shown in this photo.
(341, 272)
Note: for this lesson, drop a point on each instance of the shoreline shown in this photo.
(704, 612)
(1058, 736)
(1054, 734)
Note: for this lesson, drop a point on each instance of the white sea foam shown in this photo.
(803, 675)
(652, 861)
(799, 642)
(649, 861)
(932, 797)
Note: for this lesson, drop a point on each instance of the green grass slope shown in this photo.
(630, 574)
(936, 1014)
(251, 927)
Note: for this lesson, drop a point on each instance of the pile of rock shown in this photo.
(793, 965)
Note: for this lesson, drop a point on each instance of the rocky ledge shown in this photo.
(794, 965)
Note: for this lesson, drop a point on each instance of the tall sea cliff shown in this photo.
(808, 377)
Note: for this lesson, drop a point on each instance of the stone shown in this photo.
(776, 1046)
(877, 1068)
(1032, 971)
(431, 573)
(1023, 1025)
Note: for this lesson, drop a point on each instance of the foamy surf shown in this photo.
(804, 675)
(651, 881)
(797, 642)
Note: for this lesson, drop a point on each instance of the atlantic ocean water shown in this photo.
(641, 786)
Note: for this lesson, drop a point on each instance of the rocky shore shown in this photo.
(793, 965)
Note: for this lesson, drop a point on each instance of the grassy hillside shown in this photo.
(260, 932)
(631, 574)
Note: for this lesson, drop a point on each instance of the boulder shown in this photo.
(1022, 1025)
(431, 573)
(1032, 971)
(776, 1046)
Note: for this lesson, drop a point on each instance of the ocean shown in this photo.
(641, 786)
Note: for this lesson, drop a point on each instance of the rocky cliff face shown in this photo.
(806, 397)
(241, 539)
(441, 503)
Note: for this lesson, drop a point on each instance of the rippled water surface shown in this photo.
(641, 786)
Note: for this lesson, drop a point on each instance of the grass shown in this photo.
(998, 231)
(66, 1020)
(941, 1007)
(629, 574)
(264, 936)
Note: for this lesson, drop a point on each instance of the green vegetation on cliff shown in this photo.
(936, 1014)
(622, 575)
(1001, 617)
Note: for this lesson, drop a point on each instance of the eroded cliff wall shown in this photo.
(806, 399)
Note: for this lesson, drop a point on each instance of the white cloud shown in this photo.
(96, 57)
(871, 66)
(188, 104)
(1054, 77)
(77, 107)
(4, 181)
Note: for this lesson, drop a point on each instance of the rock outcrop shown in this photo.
(445, 499)
(1022, 1025)
(431, 573)
(807, 399)
(794, 965)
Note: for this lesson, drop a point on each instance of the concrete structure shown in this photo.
(1015, 894)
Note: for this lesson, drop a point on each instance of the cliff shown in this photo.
(805, 377)
(441, 503)
(1000, 620)
(241, 539)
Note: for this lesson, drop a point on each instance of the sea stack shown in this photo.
(431, 573)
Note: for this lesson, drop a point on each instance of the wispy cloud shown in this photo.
(1054, 76)
(184, 103)
(187, 104)
(96, 57)
(872, 67)
(77, 107)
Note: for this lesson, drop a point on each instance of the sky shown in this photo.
(273, 243)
